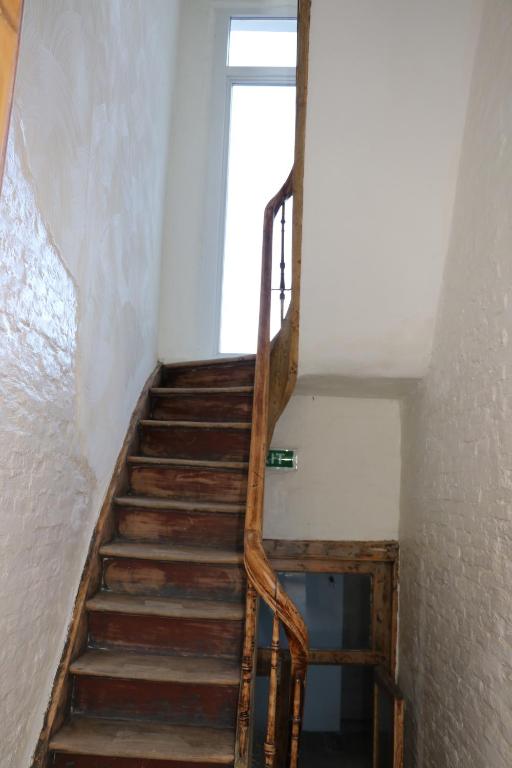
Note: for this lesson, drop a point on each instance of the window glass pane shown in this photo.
(336, 608)
(262, 43)
(261, 149)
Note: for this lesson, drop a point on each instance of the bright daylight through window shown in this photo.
(260, 72)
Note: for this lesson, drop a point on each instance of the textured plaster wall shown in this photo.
(456, 524)
(347, 485)
(81, 219)
(388, 88)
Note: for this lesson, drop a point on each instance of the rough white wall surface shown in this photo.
(347, 485)
(93, 101)
(388, 89)
(80, 241)
(456, 526)
(45, 482)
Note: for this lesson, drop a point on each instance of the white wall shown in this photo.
(192, 264)
(347, 485)
(456, 529)
(387, 95)
(80, 244)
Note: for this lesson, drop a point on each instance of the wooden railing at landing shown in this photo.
(275, 377)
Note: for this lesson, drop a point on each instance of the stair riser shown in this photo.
(175, 703)
(227, 375)
(203, 637)
(195, 443)
(161, 579)
(185, 528)
(189, 483)
(97, 761)
(212, 407)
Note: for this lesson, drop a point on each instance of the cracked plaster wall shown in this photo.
(456, 521)
(81, 218)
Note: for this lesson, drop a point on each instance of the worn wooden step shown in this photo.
(160, 625)
(202, 403)
(171, 702)
(163, 570)
(175, 554)
(143, 741)
(210, 373)
(221, 441)
(177, 690)
(171, 669)
(195, 505)
(61, 760)
(176, 609)
(200, 480)
(187, 690)
(182, 523)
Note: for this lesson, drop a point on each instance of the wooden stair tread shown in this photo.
(163, 391)
(111, 602)
(150, 740)
(170, 553)
(140, 666)
(213, 361)
(193, 463)
(243, 425)
(155, 502)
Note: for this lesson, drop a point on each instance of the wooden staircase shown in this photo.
(158, 676)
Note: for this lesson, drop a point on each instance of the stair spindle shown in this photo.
(247, 670)
(282, 265)
(296, 722)
(270, 739)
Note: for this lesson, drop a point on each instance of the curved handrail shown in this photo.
(266, 410)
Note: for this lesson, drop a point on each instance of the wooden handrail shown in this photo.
(262, 578)
(275, 378)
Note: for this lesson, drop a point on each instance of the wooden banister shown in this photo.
(262, 579)
(275, 378)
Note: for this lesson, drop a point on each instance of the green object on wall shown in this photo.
(282, 458)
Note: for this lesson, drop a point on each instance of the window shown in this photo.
(262, 43)
(347, 597)
(260, 140)
(336, 608)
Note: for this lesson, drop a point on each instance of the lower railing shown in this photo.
(272, 368)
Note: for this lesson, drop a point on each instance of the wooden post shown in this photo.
(398, 733)
(274, 379)
(270, 738)
(376, 720)
(10, 28)
(283, 708)
(244, 707)
(296, 722)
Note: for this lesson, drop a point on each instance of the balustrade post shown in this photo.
(270, 739)
(282, 265)
(298, 689)
(244, 709)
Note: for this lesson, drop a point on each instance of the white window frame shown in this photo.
(224, 78)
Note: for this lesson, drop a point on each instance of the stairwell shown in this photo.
(157, 677)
